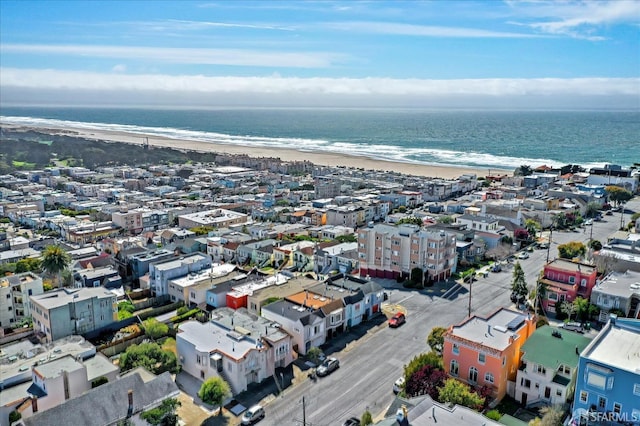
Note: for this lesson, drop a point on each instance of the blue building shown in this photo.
(608, 378)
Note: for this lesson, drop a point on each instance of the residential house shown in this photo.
(334, 256)
(608, 378)
(192, 288)
(106, 277)
(330, 308)
(565, 280)
(619, 291)
(486, 351)
(15, 291)
(160, 273)
(286, 286)
(386, 251)
(306, 326)
(548, 364)
(111, 403)
(487, 227)
(217, 218)
(60, 313)
(238, 353)
(362, 297)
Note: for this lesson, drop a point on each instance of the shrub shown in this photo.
(14, 416)
(99, 381)
(494, 415)
(182, 310)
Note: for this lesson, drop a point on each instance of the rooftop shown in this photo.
(210, 337)
(543, 348)
(248, 324)
(495, 331)
(570, 266)
(620, 284)
(623, 335)
(62, 297)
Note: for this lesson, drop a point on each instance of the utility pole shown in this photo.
(304, 415)
(470, 284)
(549, 245)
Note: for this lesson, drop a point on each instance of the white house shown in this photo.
(306, 326)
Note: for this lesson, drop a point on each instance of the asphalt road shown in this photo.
(369, 367)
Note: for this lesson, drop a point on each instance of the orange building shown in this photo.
(486, 351)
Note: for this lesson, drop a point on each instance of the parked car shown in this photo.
(253, 415)
(398, 385)
(329, 365)
(496, 267)
(523, 255)
(515, 298)
(588, 222)
(543, 245)
(573, 326)
(397, 320)
(351, 421)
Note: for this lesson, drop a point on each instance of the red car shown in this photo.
(397, 320)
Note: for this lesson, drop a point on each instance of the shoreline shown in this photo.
(284, 154)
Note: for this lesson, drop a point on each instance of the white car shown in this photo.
(398, 385)
(253, 415)
(523, 255)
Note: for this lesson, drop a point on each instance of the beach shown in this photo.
(287, 155)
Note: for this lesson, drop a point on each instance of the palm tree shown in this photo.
(55, 260)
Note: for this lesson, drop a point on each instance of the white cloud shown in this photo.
(119, 68)
(276, 85)
(578, 19)
(239, 57)
(421, 30)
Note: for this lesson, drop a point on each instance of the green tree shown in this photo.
(446, 219)
(314, 354)
(150, 356)
(523, 170)
(581, 308)
(366, 419)
(435, 340)
(154, 328)
(519, 284)
(595, 245)
(572, 250)
(428, 358)
(125, 310)
(214, 391)
(349, 238)
(618, 194)
(416, 275)
(592, 209)
(164, 414)
(459, 393)
(54, 260)
(532, 227)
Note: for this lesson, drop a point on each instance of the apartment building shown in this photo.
(565, 280)
(64, 312)
(161, 273)
(15, 291)
(387, 251)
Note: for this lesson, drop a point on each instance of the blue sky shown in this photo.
(321, 52)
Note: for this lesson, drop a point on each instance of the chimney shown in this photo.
(34, 404)
(489, 329)
(130, 400)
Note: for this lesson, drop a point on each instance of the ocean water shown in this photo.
(486, 139)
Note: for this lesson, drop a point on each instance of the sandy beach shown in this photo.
(293, 154)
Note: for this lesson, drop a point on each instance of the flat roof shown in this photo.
(568, 265)
(62, 297)
(620, 284)
(182, 260)
(58, 366)
(494, 331)
(617, 346)
(209, 337)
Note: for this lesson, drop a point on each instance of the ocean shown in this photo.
(485, 139)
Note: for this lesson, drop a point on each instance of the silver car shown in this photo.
(253, 415)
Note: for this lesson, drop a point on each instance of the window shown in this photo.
(617, 407)
(596, 380)
(572, 279)
(552, 296)
(456, 349)
(473, 374)
(602, 402)
(584, 396)
(481, 358)
(636, 388)
(488, 377)
(558, 392)
(454, 368)
(583, 282)
(610, 383)
(540, 369)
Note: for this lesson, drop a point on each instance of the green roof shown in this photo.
(511, 421)
(544, 349)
